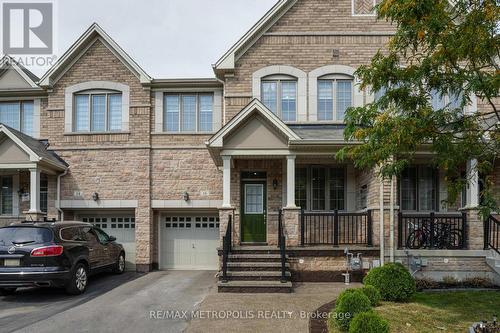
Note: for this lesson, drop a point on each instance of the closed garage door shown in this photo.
(123, 228)
(189, 242)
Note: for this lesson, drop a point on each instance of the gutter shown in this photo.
(58, 199)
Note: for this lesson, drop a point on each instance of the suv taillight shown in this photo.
(47, 251)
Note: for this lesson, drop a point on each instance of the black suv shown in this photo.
(55, 254)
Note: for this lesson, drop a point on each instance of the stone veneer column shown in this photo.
(291, 221)
(144, 237)
(475, 230)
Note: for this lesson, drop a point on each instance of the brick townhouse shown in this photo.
(166, 165)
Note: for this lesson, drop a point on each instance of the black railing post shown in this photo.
(302, 227)
(465, 232)
(486, 234)
(226, 248)
(279, 227)
(400, 230)
(336, 228)
(369, 228)
(431, 228)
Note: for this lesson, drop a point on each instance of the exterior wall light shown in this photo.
(185, 196)
(275, 183)
(95, 196)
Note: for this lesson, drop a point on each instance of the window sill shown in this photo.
(183, 133)
(94, 133)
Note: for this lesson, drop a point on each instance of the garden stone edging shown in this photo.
(319, 325)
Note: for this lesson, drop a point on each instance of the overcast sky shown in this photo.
(168, 38)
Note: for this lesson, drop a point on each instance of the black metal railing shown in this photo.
(432, 231)
(492, 234)
(282, 246)
(335, 228)
(226, 248)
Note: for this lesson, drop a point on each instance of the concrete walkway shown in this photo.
(226, 312)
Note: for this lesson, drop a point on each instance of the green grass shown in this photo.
(441, 311)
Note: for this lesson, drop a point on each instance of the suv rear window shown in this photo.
(25, 235)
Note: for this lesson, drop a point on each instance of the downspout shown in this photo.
(58, 199)
(381, 213)
(391, 220)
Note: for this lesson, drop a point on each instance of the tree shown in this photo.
(440, 48)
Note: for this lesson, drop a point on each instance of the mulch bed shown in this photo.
(318, 325)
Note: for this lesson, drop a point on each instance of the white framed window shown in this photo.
(97, 111)
(321, 188)
(335, 96)
(254, 199)
(419, 189)
(6, 195)
(279, 94)
(189, 112)
(452, 101)
(18, 115)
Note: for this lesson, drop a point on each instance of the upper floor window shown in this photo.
(335, 96)
(98, 111)
(279, 94)
(18, 115)
(188, 112)
(452, 101)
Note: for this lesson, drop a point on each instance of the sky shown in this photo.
(167, 38)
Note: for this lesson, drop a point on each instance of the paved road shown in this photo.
(112, 303)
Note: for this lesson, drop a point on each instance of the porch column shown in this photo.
(34, 191)
(473, 184)
(290, 181)
(226, 182)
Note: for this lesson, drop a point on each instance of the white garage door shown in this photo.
(123, 228)
(189, 242)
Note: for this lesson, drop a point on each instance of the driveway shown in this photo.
(130, 302)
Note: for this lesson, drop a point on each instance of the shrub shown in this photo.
(372, 293)
(478, 282)
(368, 322)
(349, 303)
(393, 281)
(426, 283)
(450, 281)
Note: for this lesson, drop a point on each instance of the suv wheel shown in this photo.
(79, 280)
(7, 291)
(120, 264)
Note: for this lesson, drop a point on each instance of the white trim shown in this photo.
(108, 85)
(290, 181)
(208, 204)
(89, 36)
(159, 111)
(226, 182)
(10, 62)
(228, 60)
(16, 208)
(99, 204)
(33, 157)
(255, 152)
(34, 191)
(36, 117)
(255, 105)
(301, 77)
(315, 74)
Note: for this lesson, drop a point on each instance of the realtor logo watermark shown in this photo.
(28, 31)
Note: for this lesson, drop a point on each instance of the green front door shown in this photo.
(253, 211)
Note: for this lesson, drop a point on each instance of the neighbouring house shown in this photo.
(235, 171)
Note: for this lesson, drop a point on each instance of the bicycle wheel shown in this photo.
(454, 239)
(416, 240)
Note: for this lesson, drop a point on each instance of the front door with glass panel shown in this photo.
(253, 212)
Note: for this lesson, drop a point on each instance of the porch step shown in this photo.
(256, 249)
(254, 257)
(254, 287)
(255, 266)
(256, 276)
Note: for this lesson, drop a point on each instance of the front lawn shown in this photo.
(440, 311)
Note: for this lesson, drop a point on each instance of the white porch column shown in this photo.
(290, 181)
(34, 190)
(226, 182)
(473, 184)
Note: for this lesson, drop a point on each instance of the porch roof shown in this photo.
(35, 151)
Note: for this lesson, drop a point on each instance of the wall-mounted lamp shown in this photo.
(185, 196)
(275, 183)
(95, 196)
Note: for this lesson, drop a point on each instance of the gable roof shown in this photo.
(36, 149)
(76, 50)
(228, 60)
(7, 62)
(216, 141)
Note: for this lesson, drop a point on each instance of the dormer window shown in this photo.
(279, 94)
(98, 111)
(335, 96)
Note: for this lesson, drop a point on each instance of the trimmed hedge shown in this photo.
(393, 281)
(368, 322)
(372, 293)
(349, 303)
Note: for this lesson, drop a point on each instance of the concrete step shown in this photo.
(255, 250)
(254, 287)
(255, 276)
(255, 266)
(254, 257)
